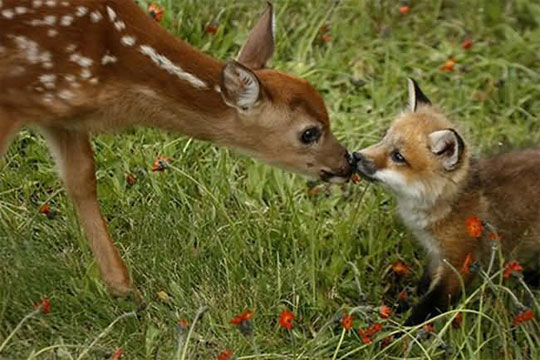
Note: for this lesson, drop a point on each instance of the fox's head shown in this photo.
(421, 158)
(279, 118)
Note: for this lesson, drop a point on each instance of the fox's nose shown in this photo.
(363, 164)
(357, 157)
(350, 159)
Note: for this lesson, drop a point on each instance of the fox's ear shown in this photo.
(259, 46)
(240, 87)
(448, 146)
(416, 96)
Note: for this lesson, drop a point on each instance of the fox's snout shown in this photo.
(363, 165)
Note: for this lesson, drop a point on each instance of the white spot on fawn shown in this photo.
(48, 80)
(47, 20)
(86, 74)
(119, 25)
(81, 60)
(81, 11)
(19, 10)
(48, 98)
(52, 32)
(67, 20)
(34, 54)
(128, 40)
(65, 3)
(111, 13)
(70, 78)
(93, 81)
(95, 16)
(8, 13)
(37, 3)
(50, 3)
(66, 95)
(108, 59)
(171, 68)
(71, 48)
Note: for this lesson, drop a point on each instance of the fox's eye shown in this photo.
(397, 157)
(310, 135)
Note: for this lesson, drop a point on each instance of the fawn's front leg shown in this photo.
(73, 153)
(8, 128)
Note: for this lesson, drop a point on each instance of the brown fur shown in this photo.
(137, 89)
(435, 202)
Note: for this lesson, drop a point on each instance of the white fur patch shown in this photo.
(71, 48)
(34, 54)
(48, 20)
(429, 243)
(111, 13)
(48, 97)
(120, 25)
(67, 20)
(66, 95)
(37, 3)
(50, 3)
(166, 64)
(128, 40)
(70, 78)
(86, 74)
(81, 11)
(108, 59)
(81, 60)
(48, 81)
(95, 17)
(391, 178)
(20, 10)
(52, 33)
(8, 14)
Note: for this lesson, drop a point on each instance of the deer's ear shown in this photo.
(448, 146)
(416, 96)
(240, 87)
(259, 46)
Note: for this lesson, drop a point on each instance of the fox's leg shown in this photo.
(529, 257)
(73, 153)
(8, 128)
(423, 284)
(443, 290)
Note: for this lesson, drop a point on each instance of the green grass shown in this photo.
(220, 230)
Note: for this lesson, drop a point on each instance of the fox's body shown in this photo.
(438, 186)
(71, 68)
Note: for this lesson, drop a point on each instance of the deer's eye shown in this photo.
(310, 135)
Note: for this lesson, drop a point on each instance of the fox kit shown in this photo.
(427, 164)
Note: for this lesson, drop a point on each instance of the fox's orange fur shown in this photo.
(438, 184)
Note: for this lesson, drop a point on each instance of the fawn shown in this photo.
(75, 67)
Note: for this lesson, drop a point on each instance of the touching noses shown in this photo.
(363, 164)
